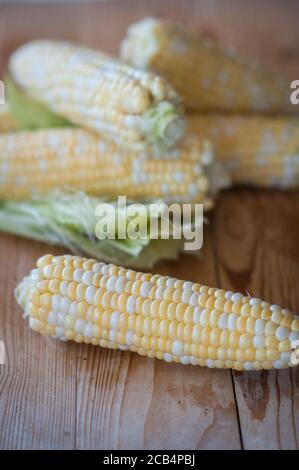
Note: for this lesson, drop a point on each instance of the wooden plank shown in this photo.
(38, 382)
(256, 238)
(129, 402)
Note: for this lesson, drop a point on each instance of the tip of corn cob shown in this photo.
(149, 36)
(22, 290)
(162, 125)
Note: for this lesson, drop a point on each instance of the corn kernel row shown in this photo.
(41, 161)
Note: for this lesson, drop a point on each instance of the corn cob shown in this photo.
(256, 150)
(129, 107)
(206, 76)
(37, 162)
(7, 123)
(156, 316)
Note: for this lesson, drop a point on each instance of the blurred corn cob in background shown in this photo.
(256, 150)
(130, 107)
(206, 76)
(7, 122)
(38, 162)
(80, 299)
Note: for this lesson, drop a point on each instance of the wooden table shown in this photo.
(66, 396)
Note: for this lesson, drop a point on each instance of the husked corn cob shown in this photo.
(40, 161)
(80, 299)
(207, 77)
(7, 123)
(256, 150)
(128, 106)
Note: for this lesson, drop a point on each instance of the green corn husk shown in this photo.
(68, 219)
(29, 114)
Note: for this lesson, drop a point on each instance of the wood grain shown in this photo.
(38, 383)
(57, 395)
(257, 252)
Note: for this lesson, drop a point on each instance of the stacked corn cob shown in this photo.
(127, 106)
(7, 122)
(38, 162)
(256, 150)
(81, 299)
(136, 110)
(132, 120)
(206, 76)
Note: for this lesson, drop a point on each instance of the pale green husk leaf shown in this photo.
(29, 114)
(68, 219)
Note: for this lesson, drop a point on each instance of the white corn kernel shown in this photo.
(237, 297)
(129, 338)
(79, 326)
(177, 348)
(131, 304)
(194, 299)
(88, 330)
(223, 321)
(259, 341)
(197, 315)
(52, 318)
(65, 304)
(87, 277)
(78, 275)
(185, 360)
(120, 285)
(168, 357)
(282, 333)
(259, 326)
(56, 299)
(232, 322)
(90, 294)
(145, 289)
(114, 320)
